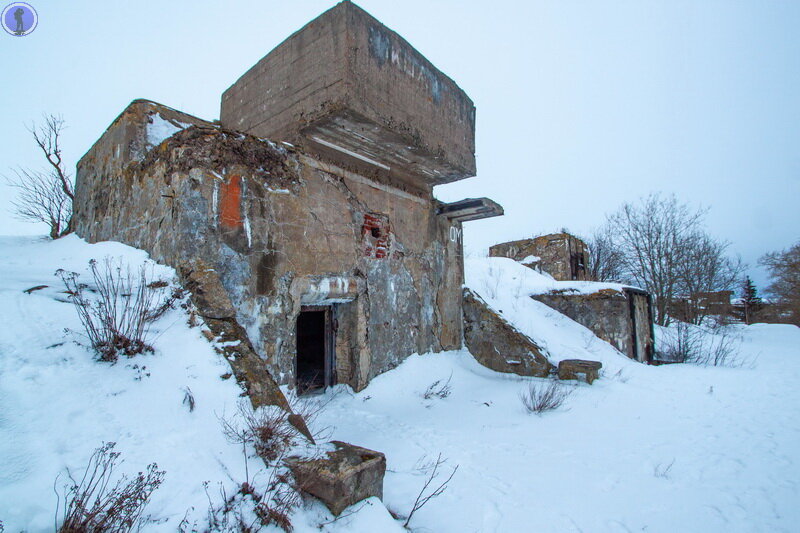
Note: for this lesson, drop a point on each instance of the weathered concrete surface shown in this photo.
(343, 477)
(621, 318)
(563, 256)
(350, 90)
(571, 368)
(496, 344)
(281, 230)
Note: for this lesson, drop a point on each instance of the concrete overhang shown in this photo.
(470, 209)
(352, 90)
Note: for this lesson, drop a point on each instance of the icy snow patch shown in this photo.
(162, 128)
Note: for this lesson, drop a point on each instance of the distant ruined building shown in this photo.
(563, 256)
(621, 316)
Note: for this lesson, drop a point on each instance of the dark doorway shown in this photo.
(314, 349)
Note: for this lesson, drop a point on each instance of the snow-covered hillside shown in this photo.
(57, 404)
(660, 449)
(664, 449)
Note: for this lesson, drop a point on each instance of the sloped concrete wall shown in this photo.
(496, 344)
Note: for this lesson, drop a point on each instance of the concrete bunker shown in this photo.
(319, 256)
(334, 215)
(619, 314)
(562, 255)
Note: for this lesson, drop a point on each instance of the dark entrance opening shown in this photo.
(314, 349)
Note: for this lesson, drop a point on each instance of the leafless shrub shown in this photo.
(679, 344)
(45, 196)
(117, 320)
(94, 505)
(269, 432)
(686, 343)
(437, 389)
(541, 397)
(267, 429)
(426, 494)
(250, 509)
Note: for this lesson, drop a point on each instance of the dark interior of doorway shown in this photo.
(311, 337)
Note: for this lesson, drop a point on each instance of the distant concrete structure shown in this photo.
(563, 256)
(622, 316)
(618, 314)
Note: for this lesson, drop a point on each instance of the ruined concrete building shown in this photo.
(619, 314)
(563, 256)
(319, 255)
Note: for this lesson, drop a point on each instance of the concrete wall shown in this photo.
(643, 326)
(349, 89)
(563, 256)
(498, 345)
(623, 319)
(282, 230)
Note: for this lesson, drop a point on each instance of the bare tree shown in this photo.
(45, 196)
(661, 246)
(784, 289)
(605, 261)
(705, 268)
(649, 237)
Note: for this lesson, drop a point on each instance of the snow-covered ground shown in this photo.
(669, 448)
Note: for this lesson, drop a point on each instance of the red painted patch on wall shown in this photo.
(375, 235)
(230, 203)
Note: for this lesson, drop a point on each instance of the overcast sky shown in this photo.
(581, 105)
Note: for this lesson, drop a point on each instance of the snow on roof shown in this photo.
(527, 280)
(161, 128)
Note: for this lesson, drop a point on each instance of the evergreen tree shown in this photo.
(751, 301)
